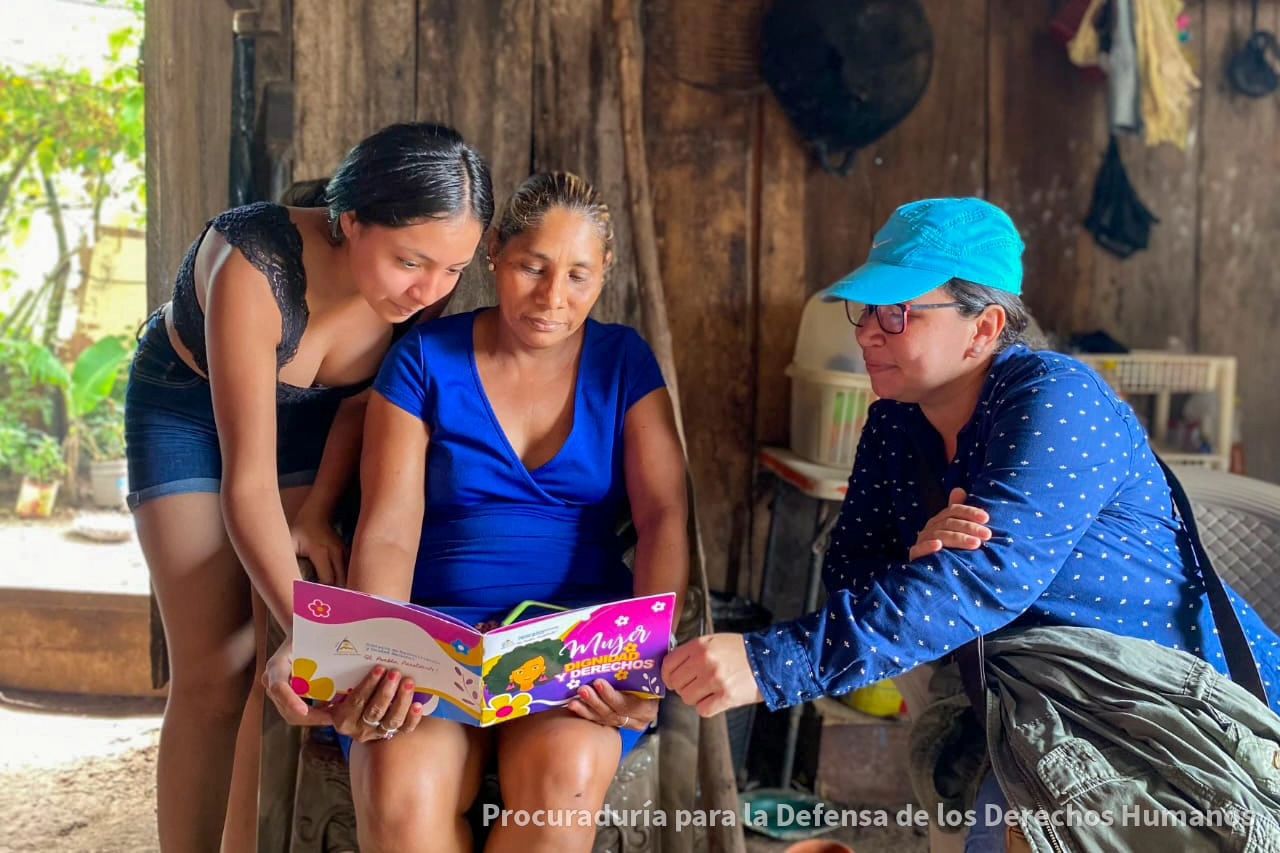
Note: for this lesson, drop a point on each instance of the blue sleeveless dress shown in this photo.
(495, 533)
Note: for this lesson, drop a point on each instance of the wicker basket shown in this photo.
(1153, 372)
(828, 412)
(1163, 374)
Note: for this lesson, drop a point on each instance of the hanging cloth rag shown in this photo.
(1070, 17)
(1118, 220)
(1085, 47)
(1124, 89)
(1167, 77)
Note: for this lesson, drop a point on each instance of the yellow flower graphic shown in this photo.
(308, 687)
(621, 675)
(505, 707)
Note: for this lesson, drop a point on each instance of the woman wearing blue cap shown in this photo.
(994, 486)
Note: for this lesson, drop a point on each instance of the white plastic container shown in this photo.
(830, 390)
(826, 339)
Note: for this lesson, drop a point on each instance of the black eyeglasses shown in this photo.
(892, 318)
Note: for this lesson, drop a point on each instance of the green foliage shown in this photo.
(67, 124)
(31, 381)
(94, 375)
(104, 432)
(13, 441)
(41, 458)
(70, 139)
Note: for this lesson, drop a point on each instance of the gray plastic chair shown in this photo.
(1239, 521)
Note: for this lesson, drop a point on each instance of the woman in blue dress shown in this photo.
(502, 448)
(995, 487)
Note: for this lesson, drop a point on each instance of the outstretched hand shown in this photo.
(712, 674)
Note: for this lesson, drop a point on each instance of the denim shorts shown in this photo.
(171, 439)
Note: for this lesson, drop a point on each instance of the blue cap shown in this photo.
(927, 243)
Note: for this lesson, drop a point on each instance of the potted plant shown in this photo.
(103, 437)
(42, 467)
(87, 389)
(32, 373)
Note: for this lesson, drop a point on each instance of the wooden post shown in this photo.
(715, 761)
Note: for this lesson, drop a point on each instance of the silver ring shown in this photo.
(388, 734)
(626, 719)
(368, 722)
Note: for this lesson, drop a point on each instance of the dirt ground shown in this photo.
(77, 774)
(48, 555)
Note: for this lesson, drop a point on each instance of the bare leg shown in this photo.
(203, 595)
(412, 793)
(558, 764)
(241, 830)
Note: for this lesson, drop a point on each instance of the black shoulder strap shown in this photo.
(1235, 644)
(971, 658)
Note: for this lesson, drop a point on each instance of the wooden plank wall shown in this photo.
(577, 125)
(1238, 269)
(700, 148)
(475, 72)
(748, 226)
(187, 143)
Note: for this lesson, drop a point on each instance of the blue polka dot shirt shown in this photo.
(1083, 533)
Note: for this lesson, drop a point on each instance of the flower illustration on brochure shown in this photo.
(306, 685)
(659, 606)
(622, 622)
(505, 706)
(319, 609)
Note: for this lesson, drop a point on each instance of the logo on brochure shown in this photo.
(346, 647)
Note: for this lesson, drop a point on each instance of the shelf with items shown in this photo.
(1161, 375)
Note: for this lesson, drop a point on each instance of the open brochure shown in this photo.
(461, 674)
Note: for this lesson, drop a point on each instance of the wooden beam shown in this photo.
(475, 73)
(699, 146)
(187, 57)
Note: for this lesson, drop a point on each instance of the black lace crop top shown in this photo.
(267, 237)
